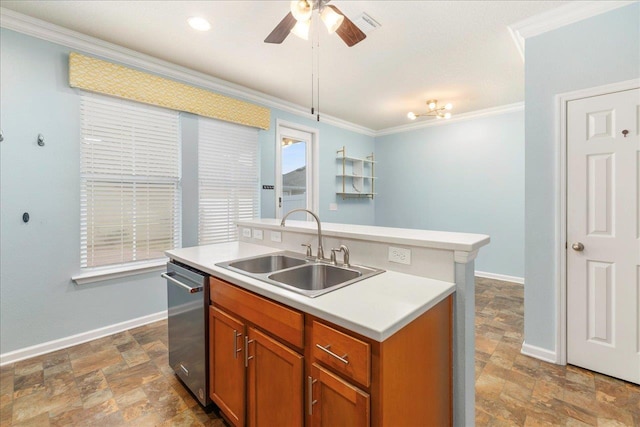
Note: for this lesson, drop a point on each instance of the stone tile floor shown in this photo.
(125, 380)
(516, 390)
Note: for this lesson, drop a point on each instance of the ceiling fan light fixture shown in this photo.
(301, 10)
(301, 29)
(332, 20)
(198, 23)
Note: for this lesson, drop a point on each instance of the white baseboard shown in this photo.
(503, 277)
(539, 353)
(59, 344)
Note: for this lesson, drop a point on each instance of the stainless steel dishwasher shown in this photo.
(187, 297)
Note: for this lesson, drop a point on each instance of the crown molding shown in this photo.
(559, 17)
(503, 109)
(53, 33)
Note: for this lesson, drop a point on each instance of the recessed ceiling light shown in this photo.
(198, 23)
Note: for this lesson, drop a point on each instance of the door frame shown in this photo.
(315, 156)
(561, 105)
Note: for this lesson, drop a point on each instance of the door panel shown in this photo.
(227, 371)
(603, 230)
(294, 172)
(335, 402)
(274, 383)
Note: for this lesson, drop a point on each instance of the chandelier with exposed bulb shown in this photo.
(434, 111)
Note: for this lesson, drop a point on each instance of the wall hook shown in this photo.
(40, 140)
(625, 132)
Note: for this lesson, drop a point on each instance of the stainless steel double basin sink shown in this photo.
(293, 271)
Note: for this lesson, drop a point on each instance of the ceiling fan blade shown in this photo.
(281, 31)
(348, 31)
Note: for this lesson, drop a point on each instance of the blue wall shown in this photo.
(593, 52)
(38, 300)
(465, 176)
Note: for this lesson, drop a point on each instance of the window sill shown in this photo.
(100, 274)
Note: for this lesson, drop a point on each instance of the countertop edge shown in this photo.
(296, 301)
(385, 234)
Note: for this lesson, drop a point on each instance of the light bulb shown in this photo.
(412, 115)
(447, 115)
(448, 106)
(432, 104)
(301, 10)
(332, 20)
(301, 29)
(198, 23)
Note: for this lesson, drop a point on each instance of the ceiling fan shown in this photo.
(298, 21)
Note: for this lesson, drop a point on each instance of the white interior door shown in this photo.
(603, 234)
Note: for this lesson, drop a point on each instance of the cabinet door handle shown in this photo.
(326, 348)
(311, 402)
(247, 341)
(236, 350)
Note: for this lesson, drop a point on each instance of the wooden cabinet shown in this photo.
(226, 364)
(274, 382)
(271, 365)
(333, 401)
(256, 369)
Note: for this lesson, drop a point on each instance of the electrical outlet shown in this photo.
(246, 232)
(257, 234)
(276, 236)
(400, 255)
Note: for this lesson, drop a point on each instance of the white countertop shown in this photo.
(467, 242)
(376, 307)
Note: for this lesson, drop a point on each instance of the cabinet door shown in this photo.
(275, 384)
(334, 402)
(226, 365)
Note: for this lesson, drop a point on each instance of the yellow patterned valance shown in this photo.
(111, 79)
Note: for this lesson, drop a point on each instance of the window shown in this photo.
(227, 179)
(130, 181)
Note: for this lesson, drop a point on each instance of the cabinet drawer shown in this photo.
(343, 353)
(281, 321)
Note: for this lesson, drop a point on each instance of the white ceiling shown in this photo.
(455, 51)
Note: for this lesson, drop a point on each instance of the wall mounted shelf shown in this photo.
(357, 176)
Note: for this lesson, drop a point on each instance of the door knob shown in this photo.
(577, 247)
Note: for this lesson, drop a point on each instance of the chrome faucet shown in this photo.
(320, 254)
(345, 258)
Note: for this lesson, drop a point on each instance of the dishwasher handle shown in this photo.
(179, 283)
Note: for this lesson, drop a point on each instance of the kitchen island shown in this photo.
(435, 270)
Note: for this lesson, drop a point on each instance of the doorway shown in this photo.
(603, 233)
(296, 180)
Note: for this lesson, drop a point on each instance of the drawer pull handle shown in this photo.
(326, 348)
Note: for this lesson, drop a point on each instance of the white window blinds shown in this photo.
(130, 176)
(227, 178)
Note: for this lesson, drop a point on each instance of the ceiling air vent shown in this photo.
(366, 23)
